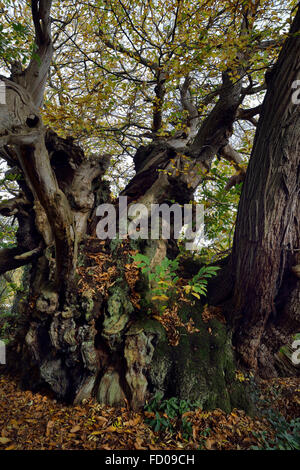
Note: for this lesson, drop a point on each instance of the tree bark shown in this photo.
(86, 331)
(267, 237)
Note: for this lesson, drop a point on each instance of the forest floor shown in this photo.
(36, 421)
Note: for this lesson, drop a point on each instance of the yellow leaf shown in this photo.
(96, 433)
(156, 317)
(160, 297)
(187, 289)
(196, 295)
(11, 447)
(4, 440)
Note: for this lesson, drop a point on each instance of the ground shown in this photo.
(39, 422)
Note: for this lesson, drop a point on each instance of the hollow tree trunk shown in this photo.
(267, 238)
(101, 340)
(83, 331)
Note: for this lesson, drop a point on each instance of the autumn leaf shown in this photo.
(138, 445)
(75, 429)
(210, 444)
(4, 440)
(50, 425)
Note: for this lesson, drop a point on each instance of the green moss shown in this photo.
(149, 325)
(87, 304)
(201, 368)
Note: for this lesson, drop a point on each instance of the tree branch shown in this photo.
(37, 71)
(248, 114)
(187, 103)
(160, 91)
(11, 207)
(230, 154)
(35, 163)
(129, 53)
(11, 258)
(216, 129)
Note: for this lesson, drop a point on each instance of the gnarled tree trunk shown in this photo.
(86, 331)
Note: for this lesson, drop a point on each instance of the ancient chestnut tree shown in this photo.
(175, 88)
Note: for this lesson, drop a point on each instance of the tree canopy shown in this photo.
(125, 74)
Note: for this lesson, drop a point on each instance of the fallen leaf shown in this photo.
(11, 447)
(75, 429)
(138, 444)
(50, 425)
(4, 440)
(209, 444)
(102, 420)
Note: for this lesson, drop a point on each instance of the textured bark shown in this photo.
(102, 345)
(267, 237)
(84, 333)
(35, 76)
(94, 342)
